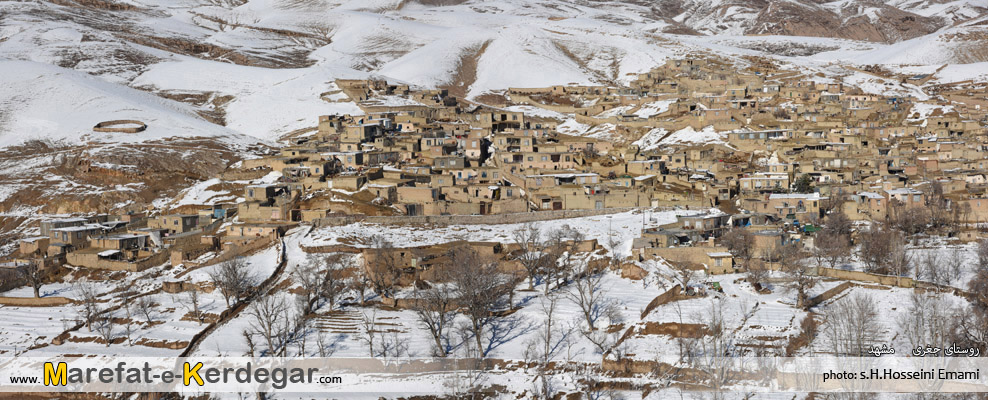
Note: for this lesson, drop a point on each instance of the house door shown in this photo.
(557, 205)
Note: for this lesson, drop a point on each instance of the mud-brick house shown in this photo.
(349, 182)
(538, 181)
(245, 230)
(37, 245)
(708, 224)
(385, 189)
(271, 202)
(866, 205)
(767, 241)
(175, 223)
(73, 237)
(801, 207)
(120, 242)
(217, 211)
(717, 260)
(49, 224)
(449, 162)
(764, 182)
(646, 167)
(125, 252)
(907, 196)
(347, 159)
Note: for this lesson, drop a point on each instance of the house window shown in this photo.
(544, 158)
(509, 193)
(176, 222)
(530, 158)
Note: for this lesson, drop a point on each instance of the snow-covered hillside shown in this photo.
(42, 101)
(259, 67)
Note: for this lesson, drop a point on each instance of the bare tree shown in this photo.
(104, 325)
(145, 305)
(953, 266)
(435, 308)
(266, 320)
(368, 322)
(719, 351)
(384, 268)
(531, 253)
(683, 272)
(852, 326)
(740, 242)
(128, 323)
(392, 344)
(35, 276)
(193, 296)
(838, 224)
(548, 343)
(928, 269)
(928, 320)
(555, 248)
(333, 285)
(481, 290)
(233, 278)
(831, 249)
(90, 304)
(800, 274)
(320, 280)
(876, 248)
(972, 323)
(899, 259)
(309, 279)
(833, 204)
(360, 283)
(908, 220)
(613, 240)
(757, 273)
(938, 207)
(590, 296)
(982, 252)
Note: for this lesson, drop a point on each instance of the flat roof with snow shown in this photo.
(797, 196)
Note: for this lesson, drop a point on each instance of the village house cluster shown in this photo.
(788, 149)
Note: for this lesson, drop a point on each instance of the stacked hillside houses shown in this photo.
(771, 149)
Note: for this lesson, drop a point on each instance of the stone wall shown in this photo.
(494, 219)
(35, 302)
(91, 260)
(888, 280)
(132, 126)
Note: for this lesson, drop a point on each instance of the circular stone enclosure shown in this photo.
(121, 126)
